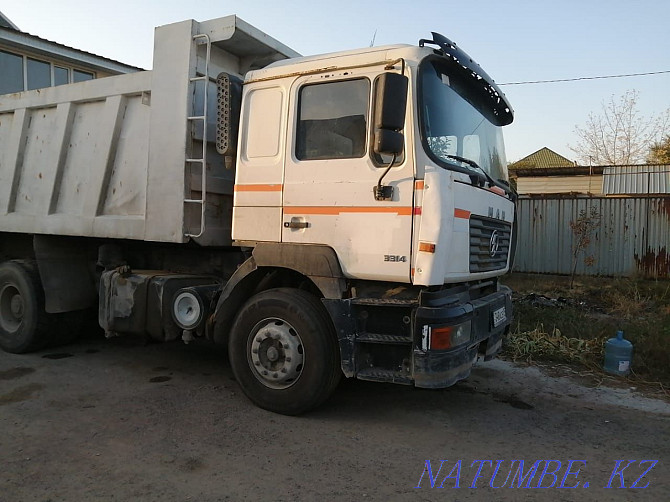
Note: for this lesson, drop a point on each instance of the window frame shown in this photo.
(28, 73)
(22, 71)
(25, 57)
(449, 165)
(85, 72)
(53, 74)
(367, 115)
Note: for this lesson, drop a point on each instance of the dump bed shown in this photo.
(123, 156)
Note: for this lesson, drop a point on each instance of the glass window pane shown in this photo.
(333, 120)
(39, 74)
(11, 73)
(60, 76)
(458, 120)
(80, 76)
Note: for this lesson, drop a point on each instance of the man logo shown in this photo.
(494, 243)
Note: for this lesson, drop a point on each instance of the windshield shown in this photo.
(456, 120)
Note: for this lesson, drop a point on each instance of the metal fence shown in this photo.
(631, 236)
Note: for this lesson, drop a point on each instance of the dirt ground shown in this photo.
(116, 420)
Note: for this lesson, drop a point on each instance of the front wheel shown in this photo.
(283, 351)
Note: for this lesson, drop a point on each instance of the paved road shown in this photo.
(118, 420)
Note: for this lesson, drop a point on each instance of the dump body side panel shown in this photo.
(128, 156)
(73, 159)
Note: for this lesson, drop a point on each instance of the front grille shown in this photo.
(481, 231)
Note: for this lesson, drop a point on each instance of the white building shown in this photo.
(29, 62)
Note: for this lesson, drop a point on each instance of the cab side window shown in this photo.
(332, 120)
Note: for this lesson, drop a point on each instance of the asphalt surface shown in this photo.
(116, 420)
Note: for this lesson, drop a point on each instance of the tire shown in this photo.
(283, 351)
(24, 325)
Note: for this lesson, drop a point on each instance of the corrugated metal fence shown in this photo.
(631, 236)
(644, 179)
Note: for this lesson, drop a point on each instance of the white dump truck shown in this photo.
(342, 214)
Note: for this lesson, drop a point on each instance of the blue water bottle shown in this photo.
(618, 355)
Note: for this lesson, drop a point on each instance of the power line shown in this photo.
(586, 78)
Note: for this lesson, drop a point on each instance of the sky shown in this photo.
(513, 40)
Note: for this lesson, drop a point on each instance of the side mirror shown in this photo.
(389, 119)
(388, 142)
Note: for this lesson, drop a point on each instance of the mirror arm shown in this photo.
(384, 192)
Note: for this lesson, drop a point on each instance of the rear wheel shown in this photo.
(23, 321)
(284, 352)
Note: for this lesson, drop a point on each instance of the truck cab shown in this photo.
(307, 165)
(391, 161)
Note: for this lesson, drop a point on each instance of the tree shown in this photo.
(659, 152)
(620, 135)
(583, 228)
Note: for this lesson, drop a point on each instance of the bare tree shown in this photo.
(620, 135)
(583, 228)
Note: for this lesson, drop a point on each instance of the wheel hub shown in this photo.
(11, 308)
(17, 306)
(276, 353)
(273, 354)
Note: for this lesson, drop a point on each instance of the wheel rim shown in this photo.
(275, 353)
(11, 308)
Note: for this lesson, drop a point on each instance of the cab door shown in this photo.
(329, 177)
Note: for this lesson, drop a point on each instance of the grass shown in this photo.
(541, 345)
(575, 328)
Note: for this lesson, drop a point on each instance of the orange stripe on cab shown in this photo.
(462, 213)
(258, 188)
(418, 184)
(335, 210)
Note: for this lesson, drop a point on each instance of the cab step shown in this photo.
(383, 302)
(383, 375)
(382, 338)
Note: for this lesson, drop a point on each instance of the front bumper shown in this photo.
(442, 368)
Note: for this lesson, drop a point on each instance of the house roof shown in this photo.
(6, 23)
(10, 36)
(544, 158)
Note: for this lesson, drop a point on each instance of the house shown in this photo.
(547, 172)
(29, 62)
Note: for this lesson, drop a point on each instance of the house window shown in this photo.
(61, 75)
(80, 76)
(332, 121)
(11, 73)
(39, 74)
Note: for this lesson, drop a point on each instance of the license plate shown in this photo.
(499, 317)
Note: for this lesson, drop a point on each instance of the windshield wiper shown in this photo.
(480, 181)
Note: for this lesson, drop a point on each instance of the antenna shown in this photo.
(372, 42)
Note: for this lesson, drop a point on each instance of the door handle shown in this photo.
(296, 223)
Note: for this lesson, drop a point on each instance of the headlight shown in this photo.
(445, 337)
(187, 309)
